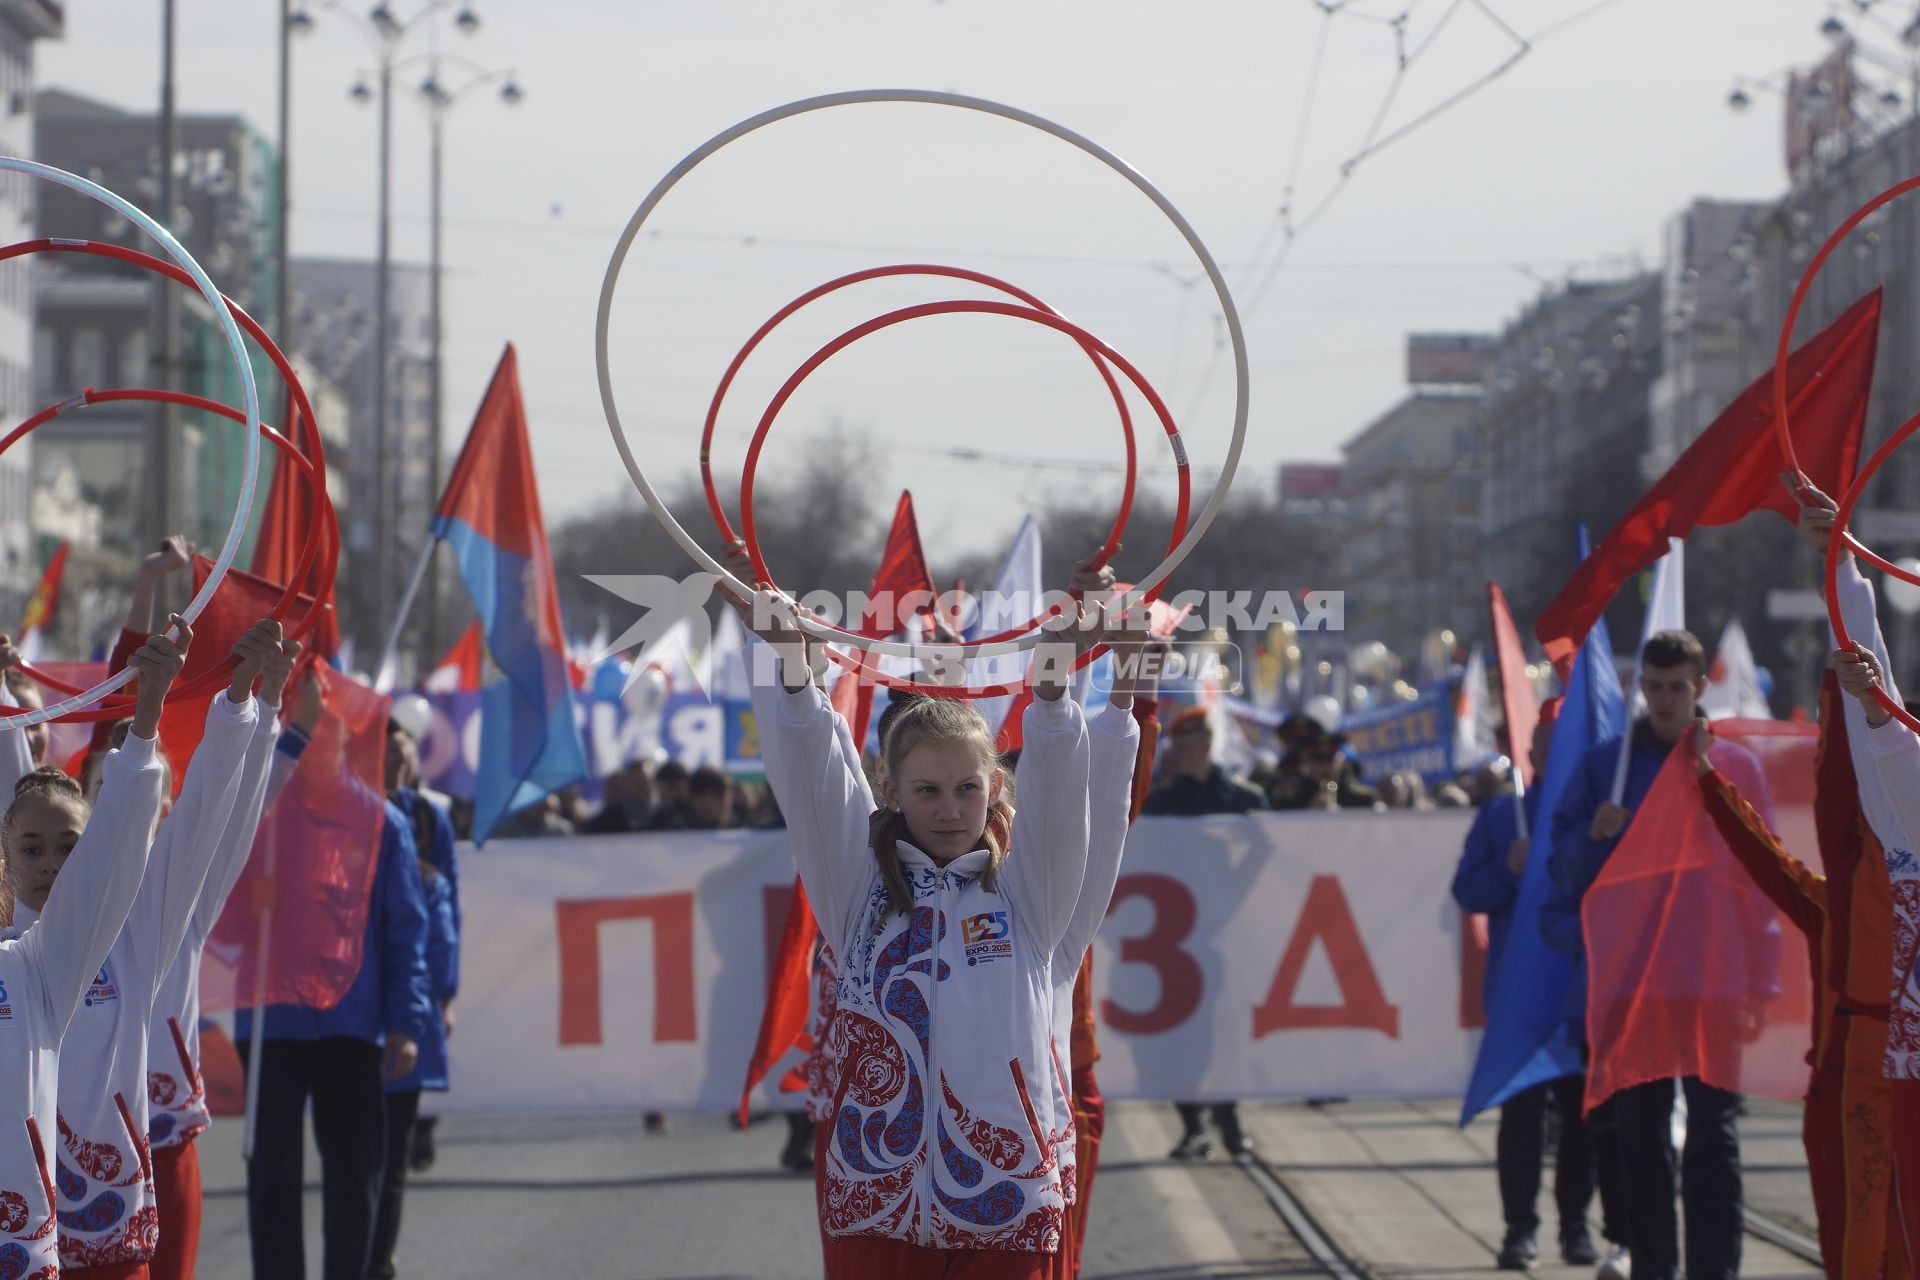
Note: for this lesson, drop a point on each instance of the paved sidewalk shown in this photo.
(1407, 1193)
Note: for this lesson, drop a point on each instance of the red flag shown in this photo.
(1732, 469)
(286, 519)
(1691, 971)
(45, 600)
(783, 1024)
(903, 570)
(1517, 697)
(459, 671)
(241, 600)
(322, 841)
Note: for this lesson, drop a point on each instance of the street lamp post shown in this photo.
(387, 32)
(441, 99)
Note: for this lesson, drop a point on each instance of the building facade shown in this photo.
(333, 316)
(23, 23)
(98, 322)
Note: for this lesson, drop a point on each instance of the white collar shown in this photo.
(967, 864)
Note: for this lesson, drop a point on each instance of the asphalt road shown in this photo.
(601, 1198)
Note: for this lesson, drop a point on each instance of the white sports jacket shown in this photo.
(44, 973)
(944, 1101)
(176, 1096)
(103, 1170)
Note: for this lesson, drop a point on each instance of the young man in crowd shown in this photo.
(1587, 826)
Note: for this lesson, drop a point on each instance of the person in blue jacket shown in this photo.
(340, 1058)
(433, 836)
(1487, 883)
(1587, 826)
(430, 1075)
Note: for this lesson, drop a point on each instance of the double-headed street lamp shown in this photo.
(441, 94)
(387, 32)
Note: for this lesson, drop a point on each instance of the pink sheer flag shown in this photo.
(1691, 971)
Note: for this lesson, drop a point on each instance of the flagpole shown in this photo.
(257, 1039)
(400, 617)
(1632, 705)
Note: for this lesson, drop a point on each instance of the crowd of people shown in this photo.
(1862, 1119)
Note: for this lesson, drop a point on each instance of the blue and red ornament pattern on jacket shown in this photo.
(993, 1185)
(17, 1214)
(92, 1177)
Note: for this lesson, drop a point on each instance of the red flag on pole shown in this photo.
(1517, 697)
(783, 1024)
(241, 600)
(460, 670)
(286, 519)
(1733, 469)
(45, 600)
(902, 571)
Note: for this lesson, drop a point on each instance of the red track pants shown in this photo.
(871, 1258)
(1089, 1122)
(1906, 1173)
(176, 1184)
(1848, 1131)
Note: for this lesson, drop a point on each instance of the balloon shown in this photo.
(610, 679)
(648, 693)
(411, 712)
(1324, 711)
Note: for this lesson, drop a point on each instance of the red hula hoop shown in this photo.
(323, 534)
(1847, 504)
(1031, 314)
(1107, 550)
(113, 708)
(1781, 351)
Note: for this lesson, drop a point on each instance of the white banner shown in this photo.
(1270, 956)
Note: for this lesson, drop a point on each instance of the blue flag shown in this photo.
(1527, 1041)
(490, 515)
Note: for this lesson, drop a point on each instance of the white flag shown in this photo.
(1666, 611)
(1473, 736)
(1733, 683)
(1015, 598)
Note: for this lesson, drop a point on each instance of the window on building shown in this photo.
(134, 370)
(86, 357)
(43, 368)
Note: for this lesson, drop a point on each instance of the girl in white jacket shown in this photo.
(941, 1156)
(75, 872)
(176, 1094)
(109, 1216)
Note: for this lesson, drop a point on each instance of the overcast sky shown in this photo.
(1572, 160)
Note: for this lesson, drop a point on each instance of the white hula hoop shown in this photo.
(932, 98)
(249, 391)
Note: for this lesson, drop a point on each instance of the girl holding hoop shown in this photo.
(72, 872)
(108, 1196)
(940, 1162)
(175, 1091)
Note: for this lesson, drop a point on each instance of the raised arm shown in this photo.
(89, 902)
(16, 756)
(1113, 751)
(1882, 803)
(190, 838)
(812, 763)
(258, 769)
